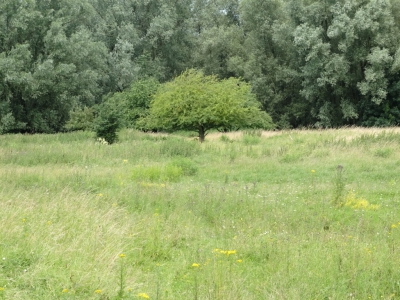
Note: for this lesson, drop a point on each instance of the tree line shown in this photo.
(321, 63)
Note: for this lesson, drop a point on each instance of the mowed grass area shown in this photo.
(274, 215)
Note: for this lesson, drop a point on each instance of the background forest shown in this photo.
(309, 63)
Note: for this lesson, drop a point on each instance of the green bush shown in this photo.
(107, 123)
(134, 102)
(80, 119)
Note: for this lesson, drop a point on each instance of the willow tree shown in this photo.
(193, 101)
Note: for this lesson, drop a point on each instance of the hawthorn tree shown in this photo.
(193, 101)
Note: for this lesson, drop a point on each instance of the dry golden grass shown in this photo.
(347, 132)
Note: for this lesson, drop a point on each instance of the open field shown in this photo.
(273, 215)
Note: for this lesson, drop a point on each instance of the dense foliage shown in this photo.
(200, 103)
(134, 102)
(309, 62)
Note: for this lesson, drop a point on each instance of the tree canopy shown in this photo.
(193, 101)
(309, 62)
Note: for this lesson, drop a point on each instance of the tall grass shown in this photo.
(164, 217)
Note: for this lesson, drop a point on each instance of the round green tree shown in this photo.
(193, 101)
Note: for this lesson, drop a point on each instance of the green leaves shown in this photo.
(134, 103)
(347, 58)
(309, 62)
(197, 102)
(375, 82)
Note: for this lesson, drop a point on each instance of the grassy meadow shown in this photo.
(246, 215)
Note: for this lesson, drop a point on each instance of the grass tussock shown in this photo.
(245, 215)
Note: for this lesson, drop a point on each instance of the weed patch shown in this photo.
(163, 217)
(179, 147)
(155, 173)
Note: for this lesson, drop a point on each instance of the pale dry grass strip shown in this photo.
(348, 132)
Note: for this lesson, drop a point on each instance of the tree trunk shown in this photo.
(202, 133)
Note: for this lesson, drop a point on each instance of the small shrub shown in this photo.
(80, 119)
(107, 123)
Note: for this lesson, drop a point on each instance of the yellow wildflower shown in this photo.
(195, 265)
(65, 291)
(359, 203)
(1, 289)
(125, 160)
(143, 295)
(122, 255)
(312, 171)
(239, 260)
(48, 222)
(227, 252)
(394, 226)
(97, 291)
(23, 220)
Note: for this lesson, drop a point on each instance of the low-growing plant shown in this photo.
(171, 173)
(224, 138)
(252, 132)
(233, 153)
(355, 202)
(147, 173)
(384, 152)
(339, 186)
(219, 235)
(178, 147)
(251, 139)
(187, 166)
(155, 173)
